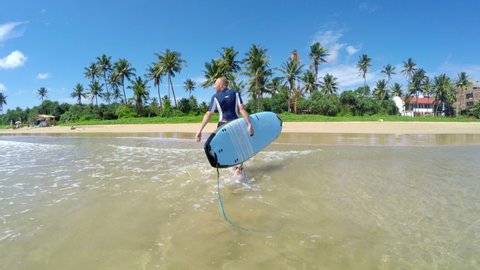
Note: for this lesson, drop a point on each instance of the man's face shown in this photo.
(218, 85)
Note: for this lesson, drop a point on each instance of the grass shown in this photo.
(286, 117)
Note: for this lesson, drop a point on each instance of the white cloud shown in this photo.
(351, 50)
(3, 87)
(13, 60)
(43, 76)
(11, 30)
(452, 70)
(330, 39)
(368, 7)
(348, 76)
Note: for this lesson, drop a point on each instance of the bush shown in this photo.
(125, 112)
(184, 105)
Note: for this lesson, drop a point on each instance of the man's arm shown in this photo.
(245, 115)
(205, 120)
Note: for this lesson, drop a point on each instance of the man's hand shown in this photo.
(250, 129)
(198, 136)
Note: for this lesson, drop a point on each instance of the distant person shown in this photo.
(228, 103)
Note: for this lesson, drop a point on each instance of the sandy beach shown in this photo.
(288, 127)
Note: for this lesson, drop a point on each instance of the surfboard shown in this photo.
(231, 144)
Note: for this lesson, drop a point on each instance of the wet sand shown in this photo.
(288, 127)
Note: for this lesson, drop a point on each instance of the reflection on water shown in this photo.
(316, 201)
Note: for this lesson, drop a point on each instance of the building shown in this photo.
(44, 120)
(467, 97)
(413, 106)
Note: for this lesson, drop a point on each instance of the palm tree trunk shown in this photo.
(159, 97)
(124, 95)
(173, 91)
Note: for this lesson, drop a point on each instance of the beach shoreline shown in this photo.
(288, 127)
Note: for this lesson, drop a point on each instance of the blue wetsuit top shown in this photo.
(227, 103)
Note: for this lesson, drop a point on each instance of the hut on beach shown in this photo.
(44, 120)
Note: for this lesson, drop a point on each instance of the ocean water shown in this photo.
(314, 201)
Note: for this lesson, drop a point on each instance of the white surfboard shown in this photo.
(231, 144)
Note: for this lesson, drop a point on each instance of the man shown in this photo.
(228, 103)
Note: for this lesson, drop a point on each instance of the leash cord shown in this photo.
(225, 214)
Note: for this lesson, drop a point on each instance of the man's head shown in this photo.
(220, 84)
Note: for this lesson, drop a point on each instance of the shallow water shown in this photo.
(315, 201)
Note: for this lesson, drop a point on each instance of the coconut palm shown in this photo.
(140, 94)
(397, 90)
(388, 70)
(291, 70)
(123, 69)
(92, 72)
(274, 86)
(317, 55)
(95, 91)
(171, 63)
(189, 86)
(115, 81)
(462, 82)
(329, 85)
(3, 101)
(105, 66)
(155, 73)
(309, 81)
(228, 62)
(418, 79)
(257, 68)
(212, 72)
(42, 93)
(381, 89)
(364, 62)
(78, 93)
(442, 87)
(409, 68)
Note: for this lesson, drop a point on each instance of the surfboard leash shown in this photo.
(225, 214)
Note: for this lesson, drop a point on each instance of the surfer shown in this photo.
(228, 103)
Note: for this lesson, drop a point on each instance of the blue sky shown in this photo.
(46, 43)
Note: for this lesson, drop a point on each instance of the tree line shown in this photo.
(293, 87)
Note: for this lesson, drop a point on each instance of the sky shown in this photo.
(46, 43)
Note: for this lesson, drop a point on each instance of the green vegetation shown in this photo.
(118, 95)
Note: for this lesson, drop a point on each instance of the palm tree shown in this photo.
(381, 89)
(257, 69)
(228, 62)
(397, 90)
(317, 55)
(95, 91)
(171, 63)
(418, 79)
(140, 94)
(42, 93)
(363, 64)
(212, 72)
(309, 81)
(389, 70)
(274, 86)
(105, 67)
(409, 67)
(329, 85)
(124, 69)
(189, 86)
(78, 93)
(442, 86)
(92, 72)
(3, 101)
(115, 81)
(462, 82)
(155, 72)
(291, 70)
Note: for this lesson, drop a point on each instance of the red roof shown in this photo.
(413, 100)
